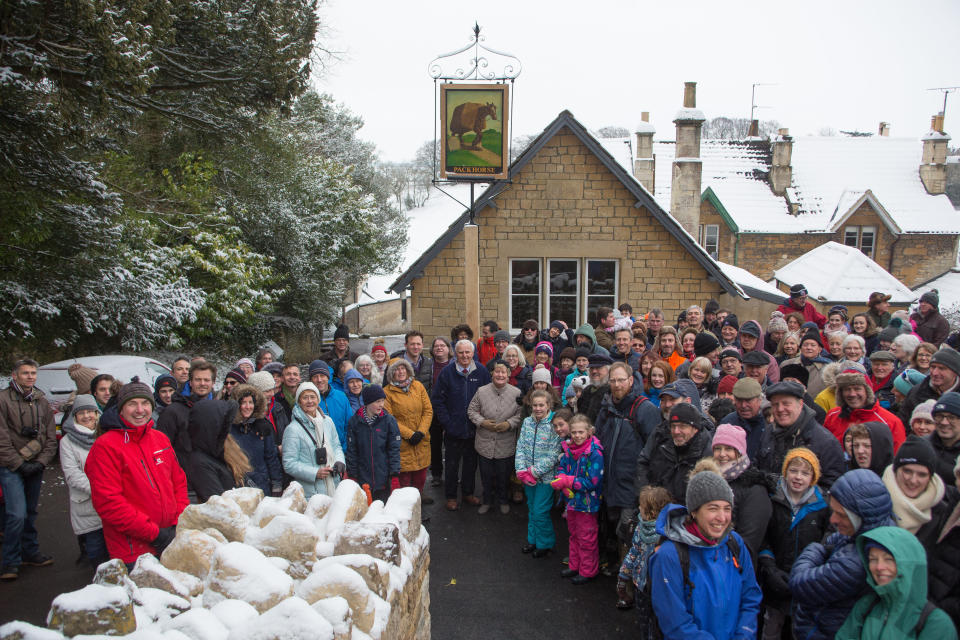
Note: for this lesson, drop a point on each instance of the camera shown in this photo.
(29, 432)
(320, 455)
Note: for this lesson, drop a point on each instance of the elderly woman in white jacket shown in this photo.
(79, 431)
(311, 448)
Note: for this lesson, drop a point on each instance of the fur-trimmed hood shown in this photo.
(259, 400)
(844, 380)
(398, 362)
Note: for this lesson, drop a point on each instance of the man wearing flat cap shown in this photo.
(794, 425)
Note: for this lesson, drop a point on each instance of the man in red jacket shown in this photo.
(797, 303)
(856, 403)
(136, 483)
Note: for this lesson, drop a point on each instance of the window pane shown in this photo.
(525, 277)
(867, 240)
(602, 278)
(851, 237)
(523, 308)
(563, 277)
(563, 308)
(711, 240)
(595, 302)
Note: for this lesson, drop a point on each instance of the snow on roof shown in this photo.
(829, 171)
(688, 113)
(746, 279)
(834, 272)
(644, 127)
(427, 224)
(948, 287)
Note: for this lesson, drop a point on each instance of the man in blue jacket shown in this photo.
(828, 579)
(455, 387)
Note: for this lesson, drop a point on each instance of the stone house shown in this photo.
(570, 230)
(759, 204)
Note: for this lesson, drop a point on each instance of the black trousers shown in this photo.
(495, 476)
(436, 449)
(459, 452)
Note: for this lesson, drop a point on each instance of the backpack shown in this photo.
(644, 600)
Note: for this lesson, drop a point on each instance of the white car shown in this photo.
(57, 385)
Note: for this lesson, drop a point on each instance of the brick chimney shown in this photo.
(643, 165)
(687, 166)
(884, 130)
(781, 172)
(933, 166)
(754, 130)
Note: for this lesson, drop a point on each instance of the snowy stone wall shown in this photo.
(248, 567)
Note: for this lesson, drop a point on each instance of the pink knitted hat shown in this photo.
(732, 436)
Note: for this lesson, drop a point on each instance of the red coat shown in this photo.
(837, 424)
(486, 351)
(137, 487)
(810, 314)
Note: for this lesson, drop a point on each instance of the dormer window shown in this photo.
(861, 237)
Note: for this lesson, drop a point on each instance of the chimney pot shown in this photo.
(754, 131)
(939, 126)
(933, 123)
(690, 95)
(783, 132)
(645, 116)
(884, 129)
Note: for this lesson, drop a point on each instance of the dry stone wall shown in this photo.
(248, 567)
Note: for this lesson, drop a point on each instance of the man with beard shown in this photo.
(174, 422)
(625, 422)
(592, 397)
(670, 455)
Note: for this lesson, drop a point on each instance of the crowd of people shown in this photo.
(791, 476)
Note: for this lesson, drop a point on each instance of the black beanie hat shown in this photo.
(372, 393)
(705, 343)
(916, 450)
(685, 413)
(343, 331)
(812, 335)
(731, 321)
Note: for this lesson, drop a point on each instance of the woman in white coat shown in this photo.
(79, 431)
(311, 449)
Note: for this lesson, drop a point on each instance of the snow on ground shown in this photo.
(834, 272)
(427, 224)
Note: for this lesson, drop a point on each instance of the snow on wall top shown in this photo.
(427, 224)
(824, 168)
(834, 272)
(746, 279)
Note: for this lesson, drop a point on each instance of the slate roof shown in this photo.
(834, 272)
(624, 174)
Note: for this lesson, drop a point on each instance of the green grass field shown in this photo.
(464, 158)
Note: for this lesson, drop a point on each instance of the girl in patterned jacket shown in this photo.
(580, 479)
(536, 465)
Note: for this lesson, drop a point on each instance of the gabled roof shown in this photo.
(643, 197)
(837, 273)
(850, 201)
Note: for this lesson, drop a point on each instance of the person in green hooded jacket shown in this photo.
(897, 577)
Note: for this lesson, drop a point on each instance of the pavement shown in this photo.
(481, 586)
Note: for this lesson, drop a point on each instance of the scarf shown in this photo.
(403, 386)
(369, 419)
(26, 395)
(732, 470)
(78, 433)
(795, 505)
(290, 395)
(876, 385)
(578, 450)
(648, 536)
(806, 362)
(692, 528)
(913, 513)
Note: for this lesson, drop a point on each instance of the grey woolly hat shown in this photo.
(541, 375)
(84, 401)
(705, 487)
(948, 358)
(501, 336)
(932, 298)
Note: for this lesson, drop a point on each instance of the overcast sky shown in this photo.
(838, 63)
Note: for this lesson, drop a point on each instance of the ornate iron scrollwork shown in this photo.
(480, 63)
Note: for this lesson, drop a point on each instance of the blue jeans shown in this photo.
(95, 547)
(539, 525)
(20, 532)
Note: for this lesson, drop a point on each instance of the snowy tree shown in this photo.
(613, 131)
(726, 128)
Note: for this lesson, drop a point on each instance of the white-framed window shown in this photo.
(710, 239)
(861, 237)
(564, 294)
(525, 291)
(563, 290)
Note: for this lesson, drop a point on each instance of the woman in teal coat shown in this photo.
(897, 575)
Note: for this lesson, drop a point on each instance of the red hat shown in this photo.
(378, 347)
(726, 384)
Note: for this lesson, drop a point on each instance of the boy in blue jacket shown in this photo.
(373, 445)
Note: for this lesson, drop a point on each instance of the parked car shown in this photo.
(57, 385)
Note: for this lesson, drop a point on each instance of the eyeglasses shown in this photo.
(618, 380)
(229, 383)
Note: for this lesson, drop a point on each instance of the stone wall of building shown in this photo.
(563, 204)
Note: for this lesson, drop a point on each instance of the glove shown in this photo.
(526, 477)
(416, 438)
(775, 581)
(339, 468)
(394, 483)
(30, 468)
(164, 538)
(562, 481)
